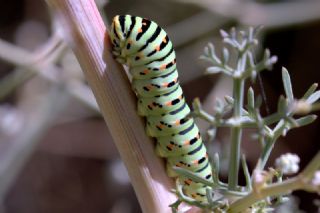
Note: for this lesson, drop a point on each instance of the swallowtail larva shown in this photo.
(146, 49)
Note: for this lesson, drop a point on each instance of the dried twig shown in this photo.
(23, 146)
(40, 62)
(269, 15)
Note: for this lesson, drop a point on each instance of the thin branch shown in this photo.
(301, 181)
(87, 35)
(270, 15)
(202, 23)
(28, 63)
(40, 62)
(23, 58)
(23, 146)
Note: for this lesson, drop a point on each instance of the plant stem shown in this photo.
(236, 133)
(299, 182)
(312, 166)
(89, 39)
(274, 189)
(269, 145)
(266, 153)
(246, 173)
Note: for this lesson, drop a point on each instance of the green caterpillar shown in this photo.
(146, 49)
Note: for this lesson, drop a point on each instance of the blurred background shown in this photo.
(56, 154)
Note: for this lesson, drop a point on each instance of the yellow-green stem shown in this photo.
(236, 133)
(275, 189)
(301, 181)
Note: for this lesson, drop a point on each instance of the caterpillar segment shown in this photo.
(148, 52)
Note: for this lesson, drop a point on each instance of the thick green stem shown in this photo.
(274, 189)
(236, 133)
(301, 181)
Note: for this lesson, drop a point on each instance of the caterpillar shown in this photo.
(146, 49)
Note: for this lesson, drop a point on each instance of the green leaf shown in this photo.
(282, 105)
(211, 49)
(250, 97)
(209, 196)
(229, 99)
(196, 105)
(313, 97)
(224, 34)
(311, 90)
(306, 120)
(246, 172)
(287, 84)
(292, 122)
(193, 176)
(226, 55)
(216, 168)
(219, 106)
(213, 70)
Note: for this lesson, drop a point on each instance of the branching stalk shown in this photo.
(236, 133)
(301, 181)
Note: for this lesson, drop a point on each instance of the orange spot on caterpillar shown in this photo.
(193, 196)
(164, 40)
(165, 84)
(162, 67)
(170, 146)
(150, 87)
(168, 103)
(161, 126)
(140, 30)
(157, 48)
(146, 71)
(196, 162)
(186, 143)
(188, 181)
(178, 165)
(177, 123)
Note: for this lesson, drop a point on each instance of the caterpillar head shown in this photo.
(119, 29)
(118, 36)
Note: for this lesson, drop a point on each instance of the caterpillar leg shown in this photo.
(170, 171)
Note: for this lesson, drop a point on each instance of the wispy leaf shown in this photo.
(226, 55)
(308, 119)
(282, 105)
(192, 176)
(313, 97)
(287, 84)
(229, 99)
(311, 90)
(223, 33)
(250, 97)
(213, 70)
